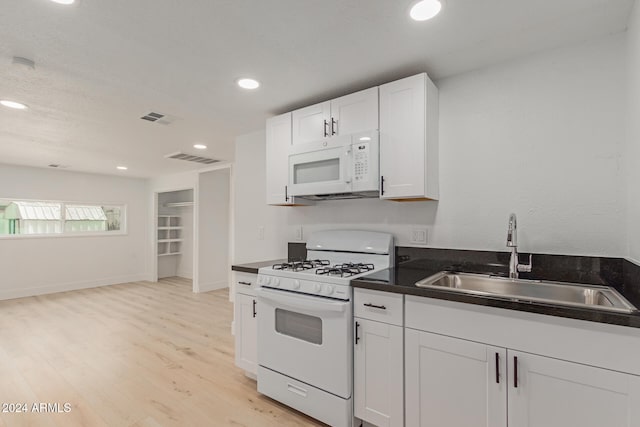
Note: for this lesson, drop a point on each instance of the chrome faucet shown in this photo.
(512, 242)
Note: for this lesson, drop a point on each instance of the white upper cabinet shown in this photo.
(311, 124)
(409, 139)
(357, 112)
(277, 158)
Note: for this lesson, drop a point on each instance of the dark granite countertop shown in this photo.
(403, 277)
(253, 267)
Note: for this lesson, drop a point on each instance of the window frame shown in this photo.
(124, 221)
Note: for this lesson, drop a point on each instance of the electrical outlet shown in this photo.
(261, 232)
(298, 233)
(419, 235)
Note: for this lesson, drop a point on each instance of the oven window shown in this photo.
(320, 171)
(297, 325)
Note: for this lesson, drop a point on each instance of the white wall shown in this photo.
(632, 154)
(185, 261)
(250, 208)
(540, 136)
(213, 230)
(52, 264)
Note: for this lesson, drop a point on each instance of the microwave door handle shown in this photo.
(299, 302)
(348, 165)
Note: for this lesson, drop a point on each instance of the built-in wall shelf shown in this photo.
(178, 204)
(170, 253)
(169, 235)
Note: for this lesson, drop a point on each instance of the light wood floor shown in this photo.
(137, 354)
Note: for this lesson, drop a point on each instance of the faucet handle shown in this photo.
(526, 268)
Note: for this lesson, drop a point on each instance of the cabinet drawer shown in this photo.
(379, 306)
(246, 283)
(317, 403)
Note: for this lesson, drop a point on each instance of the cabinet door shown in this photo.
(277, 158)
(557, 393)
(408, 160)
(277, 162)
(454, 382)
(246, 329)
(378, 375)
(311, 124)
(357, 112)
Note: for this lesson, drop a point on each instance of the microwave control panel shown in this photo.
(361, 161)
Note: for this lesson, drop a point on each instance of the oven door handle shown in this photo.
(301, 302)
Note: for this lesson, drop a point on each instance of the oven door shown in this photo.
(307, 338)
(320, 172)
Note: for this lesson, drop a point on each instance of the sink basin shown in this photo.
(591, 296)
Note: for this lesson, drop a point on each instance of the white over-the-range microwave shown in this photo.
(338, 168)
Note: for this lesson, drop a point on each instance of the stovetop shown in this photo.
(323, 267)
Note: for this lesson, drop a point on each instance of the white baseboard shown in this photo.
(212, 286)
(70, 286)
(187, 274)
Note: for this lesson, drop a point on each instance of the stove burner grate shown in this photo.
(345, 270)
(302, 265)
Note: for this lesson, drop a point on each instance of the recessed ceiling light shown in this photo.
(122, 168)
(200, 146)
(64, 1)
(365, 138)
(13, 104)
(248, 84)
(425, 9)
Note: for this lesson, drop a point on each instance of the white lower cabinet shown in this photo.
(378, 358)
(558, 393)
(246, 324)
(378, 362)
(457, 382)
(454, 382)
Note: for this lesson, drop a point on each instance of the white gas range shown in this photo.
(305, 333)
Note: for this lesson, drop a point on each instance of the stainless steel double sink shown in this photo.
(580, 295)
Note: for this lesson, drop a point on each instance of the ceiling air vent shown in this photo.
(191, 158)
(152, 117)
(162, 119)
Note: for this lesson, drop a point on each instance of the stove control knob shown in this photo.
(296, 284)
(317, 287)
(260, 280)
(276, 281)
(267, 280)
(330, 289)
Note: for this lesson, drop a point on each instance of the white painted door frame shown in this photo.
(230, 249)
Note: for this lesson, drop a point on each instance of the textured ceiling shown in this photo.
(101, 65)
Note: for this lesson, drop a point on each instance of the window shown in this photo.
(36, 217)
